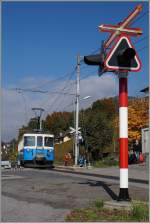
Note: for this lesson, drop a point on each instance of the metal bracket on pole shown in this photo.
(121, 74)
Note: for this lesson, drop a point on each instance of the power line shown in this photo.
(145, 47)
(35, 90)
(66, 83)
(138, 41)
(58, 97)
(46, 101)
(63, 98)
(19, 90)
(139, 17)
(50, 81)
(25, 106)
(93, 52)
(70, 104)
(39, 91)
(87, 75)
(55, 80)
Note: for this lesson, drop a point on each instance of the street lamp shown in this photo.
(86, 97)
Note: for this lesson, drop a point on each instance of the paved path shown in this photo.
(137, 171)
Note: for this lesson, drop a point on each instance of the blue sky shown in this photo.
(40, 40)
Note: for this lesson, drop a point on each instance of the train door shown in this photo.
(40, 156)
(39, 142)
(49, 147)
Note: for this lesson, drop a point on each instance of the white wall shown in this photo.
(145, 140)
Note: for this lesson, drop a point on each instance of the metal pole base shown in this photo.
(124, 195)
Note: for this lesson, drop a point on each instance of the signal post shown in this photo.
(123, 135)
(121, 59)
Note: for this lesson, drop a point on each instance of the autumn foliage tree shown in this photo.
(137, 117)
(58, 122)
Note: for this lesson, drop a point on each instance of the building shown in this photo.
(145, 91)
(62, 138)
(145, 131)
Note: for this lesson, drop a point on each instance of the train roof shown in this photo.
(37, 133)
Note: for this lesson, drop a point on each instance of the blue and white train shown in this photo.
(36, 149)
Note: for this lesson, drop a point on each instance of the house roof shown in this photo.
(145, 90)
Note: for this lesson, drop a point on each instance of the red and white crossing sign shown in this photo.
(119, 29)
(123, 56)
(122, 27)
(72, 130)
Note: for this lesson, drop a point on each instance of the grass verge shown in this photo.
(97, 212)
(106, 162)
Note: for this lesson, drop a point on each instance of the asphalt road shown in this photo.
(34, 195)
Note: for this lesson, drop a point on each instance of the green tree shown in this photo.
(98, 125)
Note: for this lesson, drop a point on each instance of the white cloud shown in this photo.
(99, 87)
(16, 107)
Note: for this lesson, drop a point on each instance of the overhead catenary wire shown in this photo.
(42, 92)
(88, 75)
(93, 52)
(140, 40)
(69, 87)
(36, 90)
(140, 17)
(25, 106)
(55, 80)
(144, 47)
(59, 92)
(71, 94)
(65, 86)
(66, 106)
(64, 98)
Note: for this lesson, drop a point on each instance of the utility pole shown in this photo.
(77, 111)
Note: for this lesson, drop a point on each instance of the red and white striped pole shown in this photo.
(123, 136)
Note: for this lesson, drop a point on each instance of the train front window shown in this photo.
(29, 141)
(39, 141)
(48, 141)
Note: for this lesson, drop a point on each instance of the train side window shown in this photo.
(39, 141)
(48, 141)
(29, 141)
